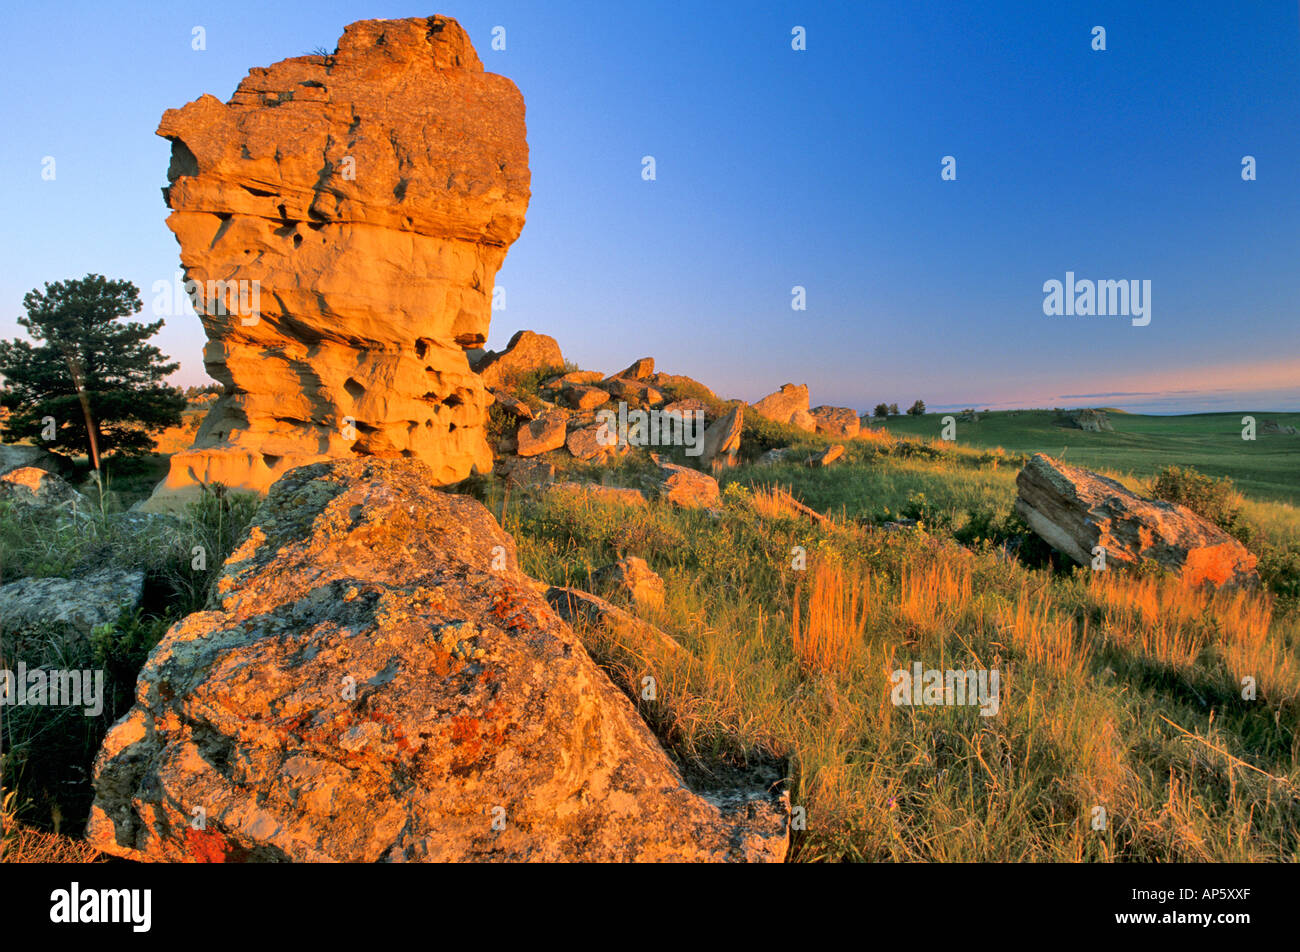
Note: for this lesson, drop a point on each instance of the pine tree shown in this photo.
(94, 374)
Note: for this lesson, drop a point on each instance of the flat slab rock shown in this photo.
(72, 605)
(1075, 510)
(376, 681)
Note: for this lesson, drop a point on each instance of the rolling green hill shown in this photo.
(1265, 468)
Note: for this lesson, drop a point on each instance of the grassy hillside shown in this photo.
(1119, 693)
(1266, 468)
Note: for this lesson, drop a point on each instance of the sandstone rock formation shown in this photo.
(788, 405)
(375, 680)
(543, 434)
(722, 438)
(637, 393)
(527, 352)
(1074, 511)
(684, 487)
(837, 421)
(576, 378)
(343, 217)
(583, 397)
(631, 578)
(586, 443)
(641, 369)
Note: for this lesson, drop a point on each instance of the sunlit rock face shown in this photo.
(375, 680)
(342, 219)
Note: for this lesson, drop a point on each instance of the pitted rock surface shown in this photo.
(341, 222)
(375, 680)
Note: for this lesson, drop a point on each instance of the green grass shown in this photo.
(46, 752)
(1266, 468)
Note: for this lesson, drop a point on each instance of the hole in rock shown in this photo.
(297, 240)
(354, 389)
(271, 461)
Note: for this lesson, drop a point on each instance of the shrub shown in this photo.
(1213, 499)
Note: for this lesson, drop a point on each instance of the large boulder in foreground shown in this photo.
(341, 220)
(1075, 510)
(375, 680)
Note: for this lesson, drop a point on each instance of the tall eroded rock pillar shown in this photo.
(341, 222)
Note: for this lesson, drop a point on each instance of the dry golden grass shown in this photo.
(32, 846)
(933, 594)
(1169, 623)
(1037, 632)
(836, 622)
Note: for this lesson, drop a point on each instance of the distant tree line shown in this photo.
(891, 409)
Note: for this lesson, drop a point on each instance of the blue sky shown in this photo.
(777, 168)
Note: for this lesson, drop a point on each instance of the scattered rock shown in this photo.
(635, 392)
(577, 377)
(639, 370)
(773, 456)
(722, 438)
(518, 471)
(837, 421)
(585, 444)
(30, 486)
(804, 420)
(685, 487)
(632, 578)
(543, 434)
(1272, 426)
(343, 217)
(516, 406)
(1075, 511)
(71, 605)
(478, 728)
(827, 456)
(575, 606)
(582, 397)
(526, 353)
(1094, 421)
(785, 405)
